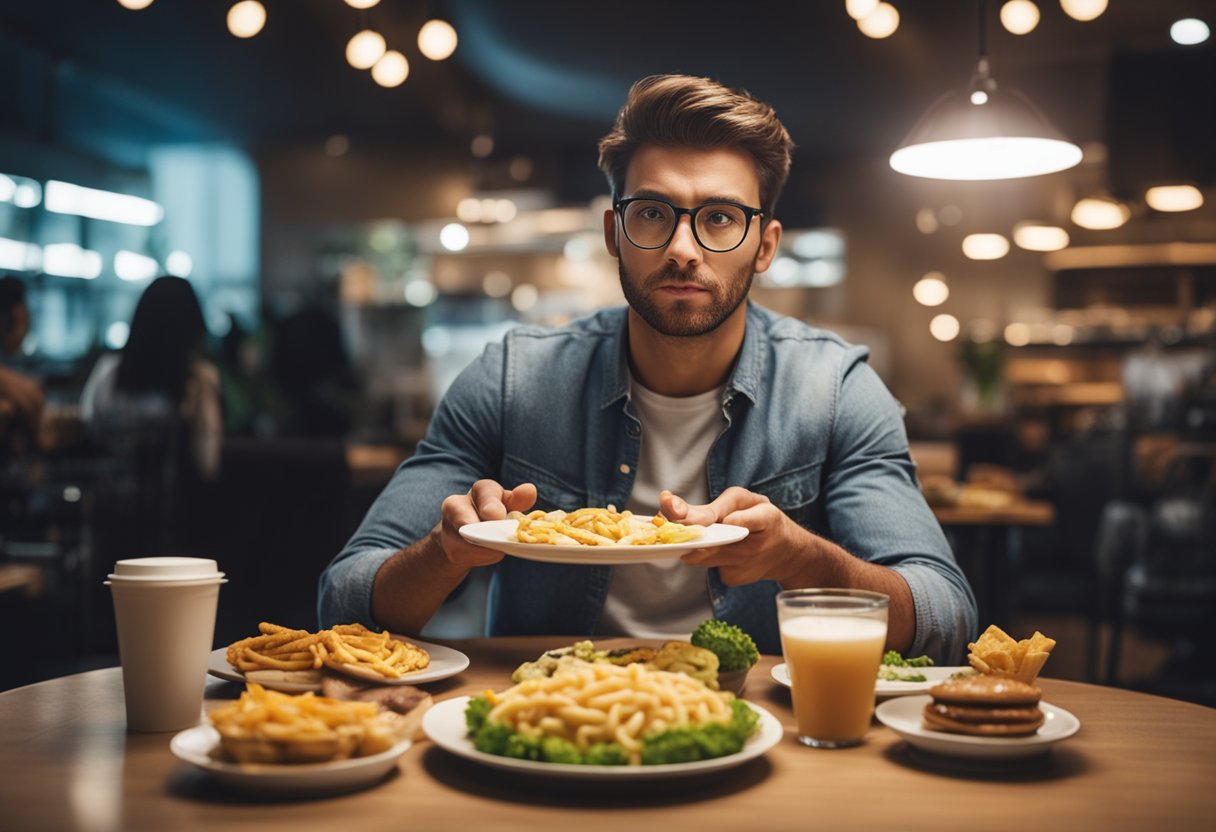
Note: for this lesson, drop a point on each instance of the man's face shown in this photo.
(682, 289)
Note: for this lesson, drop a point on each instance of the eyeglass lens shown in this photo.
(718, 226)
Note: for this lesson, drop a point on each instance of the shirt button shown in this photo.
(634, 431)
(624, 469)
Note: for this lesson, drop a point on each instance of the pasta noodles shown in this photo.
(600, 527)
(605, 703)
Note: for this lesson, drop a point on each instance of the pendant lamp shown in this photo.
(985, 132)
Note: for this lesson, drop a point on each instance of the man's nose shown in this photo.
(683, 249)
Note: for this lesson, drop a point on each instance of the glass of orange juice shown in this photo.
(833, 642)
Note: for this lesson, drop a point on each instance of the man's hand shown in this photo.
(776, 548)
(486, 500)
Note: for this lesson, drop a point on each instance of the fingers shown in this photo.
(730, 503)
(520, 498)
(677, 510)
(488, 498)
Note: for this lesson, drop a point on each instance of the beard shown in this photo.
(681, 318)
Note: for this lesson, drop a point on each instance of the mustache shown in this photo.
(674, 274)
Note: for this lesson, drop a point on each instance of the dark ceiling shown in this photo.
(93, 76)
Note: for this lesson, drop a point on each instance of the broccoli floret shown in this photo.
(743, 720)
(687, 745)
(475, 713)
(892, 658)
(606, 754)
(558, 750)
(493, 738)
(734, 648)
(522, 747)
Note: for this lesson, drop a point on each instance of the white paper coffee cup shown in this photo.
(164, 609)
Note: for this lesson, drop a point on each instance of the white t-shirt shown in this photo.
(667, 599)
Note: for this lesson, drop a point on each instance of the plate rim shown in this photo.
(282, 777)
(887, 692)
(770, 733)
(970, 746)
(599, 555)
(218, 667)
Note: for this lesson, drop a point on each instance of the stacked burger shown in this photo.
(984, 706)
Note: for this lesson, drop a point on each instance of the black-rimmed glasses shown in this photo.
(650, 222)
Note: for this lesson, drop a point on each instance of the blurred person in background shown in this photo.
(161, 376)
(313, 376)
(749, 417)
(21, 397)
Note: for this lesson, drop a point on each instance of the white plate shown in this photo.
(194, 746)
(444, 724)
(884, 689)
(903, 716)
(498, 534)
(445, 662)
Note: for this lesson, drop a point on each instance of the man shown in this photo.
(748, 417)
(21, 397)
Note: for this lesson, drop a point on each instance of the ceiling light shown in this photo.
(985, 246)
(944, 327)
(1083, 10)
(454, 236)
(70, 260)
(391, 70)
(931, 290)
(361, 4)
(1035, 236)
(524, 297)
(437, 39)
(469, 209)
(135, 5)
(880, 23)
(1020, 16)
(1174, 198)
(997, 135)
(179, 263)
(1189, 31)
(66, 198)
(1017, 334)
(1100, 213)
(246, 18)
(19, 256)
(130, 265)
(364, 49)
(857, 9)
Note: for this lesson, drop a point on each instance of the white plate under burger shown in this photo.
(883, 688)
(903, 716)
(444, 662)
(500, 536)
(445, 724)
(197, 745)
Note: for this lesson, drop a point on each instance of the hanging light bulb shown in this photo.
(437, 39)
(931, 290)
(391, 70)
(984, 133)
(361, 4)
(857, 9)
(1020, 17)
(1037, 236)
(880, 23)
(1174, 198)
(944, 327)
(1083, 10)
(1100, 213)
(985, 246)
(246, 18)
(135, 5)
(364, 49)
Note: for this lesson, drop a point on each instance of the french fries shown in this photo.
(997, 653)
(599, 527)
(264, 726)
(345, 646)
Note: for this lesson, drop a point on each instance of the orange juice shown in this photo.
(833, 662)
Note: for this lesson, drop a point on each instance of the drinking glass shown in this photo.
(833, 641)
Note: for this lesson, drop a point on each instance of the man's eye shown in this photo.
(720, 218)
(651, 214)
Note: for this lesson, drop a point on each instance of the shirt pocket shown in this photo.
(795, 492)
(552, 491)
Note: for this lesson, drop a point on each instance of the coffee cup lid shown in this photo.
(165, 569)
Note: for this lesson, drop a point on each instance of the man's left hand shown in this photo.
(776, 548)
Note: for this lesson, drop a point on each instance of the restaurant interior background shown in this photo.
(356, 239)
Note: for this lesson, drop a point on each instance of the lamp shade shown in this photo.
(997, 134)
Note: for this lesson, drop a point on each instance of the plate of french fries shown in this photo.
(601, 536)
(293, 661)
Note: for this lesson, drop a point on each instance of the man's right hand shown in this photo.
(486, 500)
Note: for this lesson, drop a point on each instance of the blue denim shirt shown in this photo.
(806, 422)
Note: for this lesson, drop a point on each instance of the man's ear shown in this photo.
(610, 232)
(770, 241)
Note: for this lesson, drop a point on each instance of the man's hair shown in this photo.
(687, 111)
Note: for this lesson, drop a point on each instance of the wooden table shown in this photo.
(1138, 762)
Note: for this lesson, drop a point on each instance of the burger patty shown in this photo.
(938, 722)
